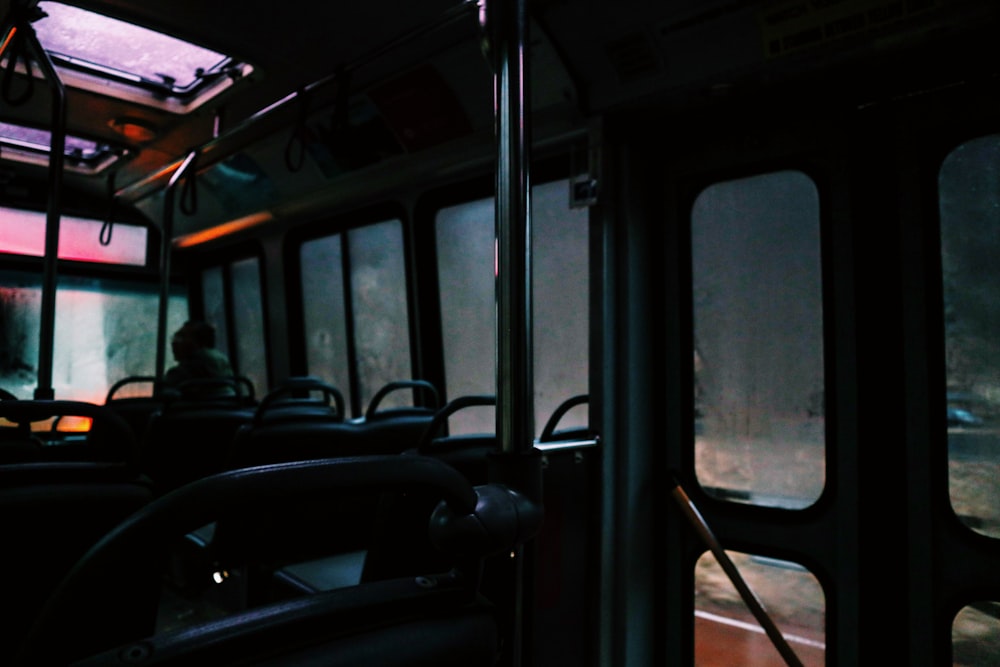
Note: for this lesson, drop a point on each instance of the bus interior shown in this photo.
(563, 332)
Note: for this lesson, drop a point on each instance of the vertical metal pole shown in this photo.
(166, 245)
(514, 465)
(57, 150)
(515, 407)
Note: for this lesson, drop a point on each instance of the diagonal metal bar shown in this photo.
(701, 527)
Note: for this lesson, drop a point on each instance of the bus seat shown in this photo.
(50, 514)
(188, 439)
(396, 429)
(135, 409)
(301, 397)
(468, 452)
(44, 427)
(237, 389)
(290, 425)
(441, 615)
(63, 484)
(550, 433)
(301, 419)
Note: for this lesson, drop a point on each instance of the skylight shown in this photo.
(169, 71)
(25, 144)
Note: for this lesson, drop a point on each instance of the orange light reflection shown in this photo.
(225, 229)
(6, 42)
(74, 424)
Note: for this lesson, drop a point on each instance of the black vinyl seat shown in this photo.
(34, 429)
(298, 420)
(57, 500)
(440, 617)
(190, 437)
(135, 409)
(292, 424)
(466, 452)
(552, 433)
(395, 429)
(303, 420)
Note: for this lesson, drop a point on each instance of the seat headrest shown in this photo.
(108, 438)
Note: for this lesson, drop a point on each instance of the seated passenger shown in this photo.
(194, 349)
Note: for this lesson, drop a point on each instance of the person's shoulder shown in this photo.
(218, 362)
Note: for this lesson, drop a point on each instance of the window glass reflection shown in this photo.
(975, 635)
(23, 233)
(560, 301)
(381, 319)
(325, 312)
(120, 342)
(758, 331)
(248, 322)
(969, 194)
(726, 632)
(214, 298)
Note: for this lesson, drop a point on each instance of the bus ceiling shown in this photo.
(279, 106)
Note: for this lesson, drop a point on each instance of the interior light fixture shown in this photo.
(133, 129)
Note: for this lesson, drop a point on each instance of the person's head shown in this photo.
(190, 337)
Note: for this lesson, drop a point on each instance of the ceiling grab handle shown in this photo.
(210, 150)
(57, 154)
(697, 521)
(166, 244)
(107, 229)
(18, 33)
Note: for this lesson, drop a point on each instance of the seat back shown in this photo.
(396, 429)
(188, 439)
(301, 419)
(58, 430)
(439, 614)
(468, 453)
(551, 433)
(50, 514)
(292, 424)
(135, 408)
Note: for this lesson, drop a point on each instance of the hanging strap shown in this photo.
(109, 222)
(17, 53)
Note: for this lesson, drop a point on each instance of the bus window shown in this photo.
(758, 332)
(23, 233)
(213, 293)
(362, 269)
(975, 634)
(561, 301)
(560, 295)
(465, 241)
(726, 632)
(119, 341)
(248, 322)
(324, 310)
(242, 338)
(969, 193)
(378, 300)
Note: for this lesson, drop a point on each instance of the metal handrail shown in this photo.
(21, 23)
(447, 18)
